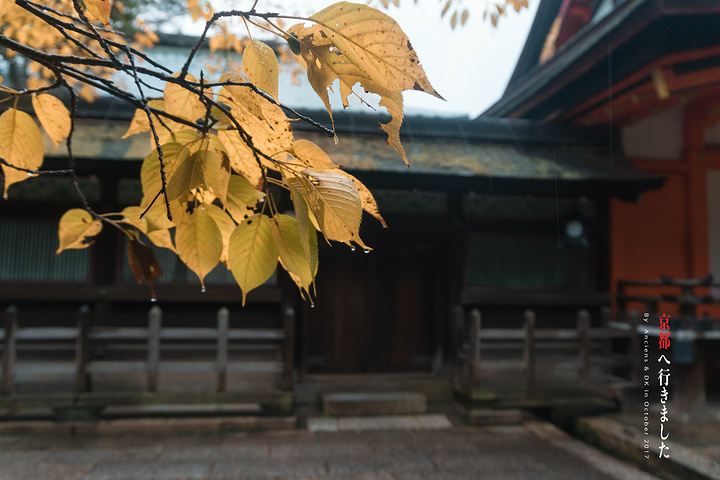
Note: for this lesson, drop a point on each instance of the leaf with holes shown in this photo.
(253, 254)
(355, 43)
(262, 120)
(241, 198)
(368, 200)
(77, 230)
(241, 157)
(21, 145)
(53, 116)
(261, 67)
(335, 202)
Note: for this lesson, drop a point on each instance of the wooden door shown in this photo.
(374, 312)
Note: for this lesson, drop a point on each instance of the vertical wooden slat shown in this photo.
(457, 338)
(475, 324)
(530, 350)
(605, 316)
(634, 321)
(620, 298)
(583, 327)
(81, 349)
(223, 328)
(153, 362)
(288, 347)
(9, 351)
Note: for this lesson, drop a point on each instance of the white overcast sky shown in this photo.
(469, 66)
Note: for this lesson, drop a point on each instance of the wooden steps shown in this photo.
(374, 403)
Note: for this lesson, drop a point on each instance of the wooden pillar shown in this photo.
(530, 350)
(153, 362)
(223, 328)
(583, 327)
(288, 347)
(475, 325)
(9, 351)
(82, 345)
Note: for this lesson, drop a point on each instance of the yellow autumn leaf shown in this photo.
(264, 121)
(98, 10)
(366, 197)
(201, 169)
(77, 229)
(253, 254)
(453, 20)
(198, 242)
(183, 103)
(306, 226)
(166, 129)
(261, 67)
(241, 157)
(464, 18)
(241, 198)
(6, 5)
(53, 116)
(355, 43)
(154, 224)
(138, 124)
(162, 239)
(311, 155)
(291, 252)
(335, 202)
(226, 226)
(21, 145)
(150, 174)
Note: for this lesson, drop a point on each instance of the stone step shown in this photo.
(371, 403)
(482, 417)
(383, 422)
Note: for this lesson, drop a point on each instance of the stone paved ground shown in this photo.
(535, 450)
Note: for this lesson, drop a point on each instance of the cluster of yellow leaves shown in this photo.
(21, 25)
(217, 175)
(20, 139)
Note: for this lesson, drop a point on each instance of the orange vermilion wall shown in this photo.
(667, 232)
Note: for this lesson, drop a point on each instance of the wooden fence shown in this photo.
(584, 346)
(83, 339)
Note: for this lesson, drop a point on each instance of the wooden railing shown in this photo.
(584, 346)
(84, 339)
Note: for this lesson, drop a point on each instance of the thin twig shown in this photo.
(68, 142)
(113, 58)
(35, 172)
(156, 139)
(269, 98)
